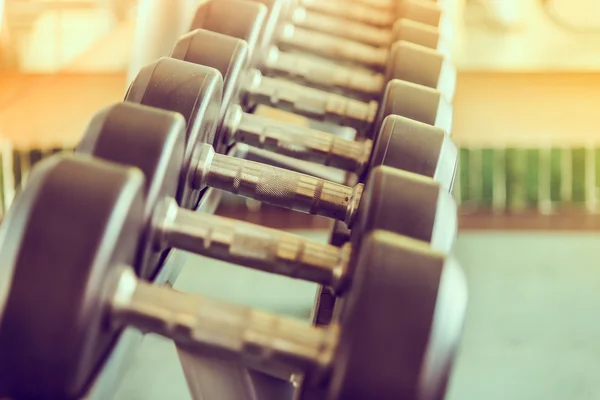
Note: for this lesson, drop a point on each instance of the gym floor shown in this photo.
(531, 331)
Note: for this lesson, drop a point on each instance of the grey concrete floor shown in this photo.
(531, 333)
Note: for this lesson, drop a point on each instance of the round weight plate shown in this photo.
(191, 90)
(76, 221)
(150, 139)
(391, 344)
(277, 12)
(408, 204)
(416, 102)
(414, 63)
(226, 54)
(416, 32)
(241, 19)
(416, 147)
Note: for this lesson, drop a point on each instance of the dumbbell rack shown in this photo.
(230, 379)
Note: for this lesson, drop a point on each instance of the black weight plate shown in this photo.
(416, 32)
(278, 10)
(408, 204)
(416, 102)
(191, 90)
(400, 322)
(226, 54)
(416, 147)
(241, 19)
(150, 139)
(76, 221)
(414, 63)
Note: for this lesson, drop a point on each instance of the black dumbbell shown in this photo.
(399, 142)
(154, 141)
(406, 61)
(81, 243)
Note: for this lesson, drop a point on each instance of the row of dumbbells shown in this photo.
(85, 238)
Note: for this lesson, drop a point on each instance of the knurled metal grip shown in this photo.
(353, 11)
(297, 141)
(253, 246)
(323, 75)
(341, 27)
(277, 186)
(309, 102)
(214, 328)
(333, 47)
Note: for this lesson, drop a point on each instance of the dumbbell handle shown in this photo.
(353, 11)
(323, 75)
(292, 37)
(309, 102)
(277, 186)
(251, 245)
(214, 328)
(341, 27)
(297, 141)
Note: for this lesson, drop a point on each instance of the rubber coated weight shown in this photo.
(410, 352)
(229, 57)
(430, 214)
(193, 92)
(74, 223)
(152, 140)
(417, 64)
(416, 102)
(416, 147)
(227, 54)
(420, 33)
(218, 16)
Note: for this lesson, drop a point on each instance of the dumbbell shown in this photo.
(285, 35)
(399, 142)
(154, 141)
(407, 36)
(361, 32)
(424, 11)
(81, 243)
(406, 61)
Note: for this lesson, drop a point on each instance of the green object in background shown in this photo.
(532, 177)
(516, 178)
(464, 175)
(487, 178)
(556, 175)
(597, 170)
(541, 178)
(578, 176)
(499, 180)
